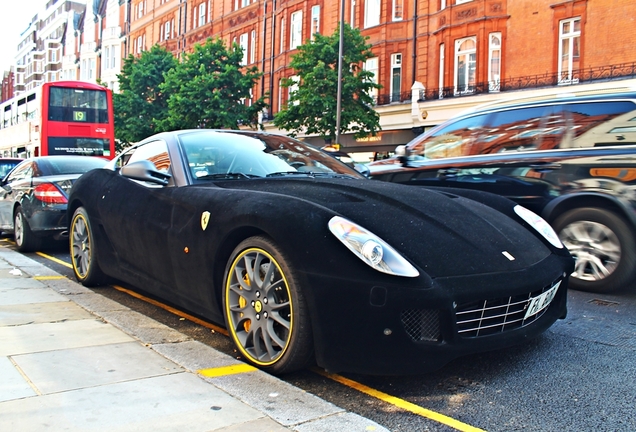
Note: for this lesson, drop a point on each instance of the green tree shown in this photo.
(312, 104)
(140, 106)
(208, 87)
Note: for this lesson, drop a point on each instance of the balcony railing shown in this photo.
(589, 75)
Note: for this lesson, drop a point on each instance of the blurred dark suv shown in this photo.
(571, 159)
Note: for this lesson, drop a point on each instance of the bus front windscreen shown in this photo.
(79, 146)
(77, 105)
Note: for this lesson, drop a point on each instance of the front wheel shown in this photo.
(83, 251)
(603, 247)
(25, 239)
(264, 308)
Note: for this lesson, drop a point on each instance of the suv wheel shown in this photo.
(602, 245)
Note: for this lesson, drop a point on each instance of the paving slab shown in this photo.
(35, 313)
(35, 294)
(61, 335)
(177, 402)
(71, 369)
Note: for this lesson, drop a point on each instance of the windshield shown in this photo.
(220, 154)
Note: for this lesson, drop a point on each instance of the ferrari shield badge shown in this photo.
(205, 218)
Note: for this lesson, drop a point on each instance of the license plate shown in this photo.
(540, 302)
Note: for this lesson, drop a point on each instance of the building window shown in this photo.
(106, 57)
(113, 57)
(371, 66)
(465, 65)
(442, 59)
(396, 77)
(296, 30)
(398, 10)
(462, 1)
(166, 34)
(253, 47)
(293, 88)
(442, 4)
(201, 14)
(282, 35)
(569, 49)
(371, 13)
(494, 62)
(243, 44)
(315, 21)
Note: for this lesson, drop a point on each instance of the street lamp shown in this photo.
(340, 60)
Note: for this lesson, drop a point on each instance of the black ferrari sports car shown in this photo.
(305, 260)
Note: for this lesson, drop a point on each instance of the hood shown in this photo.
(442, 233)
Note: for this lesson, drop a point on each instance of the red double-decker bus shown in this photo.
(59, 118)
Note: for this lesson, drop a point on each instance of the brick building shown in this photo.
(433, 58)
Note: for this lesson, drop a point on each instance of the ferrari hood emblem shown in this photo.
(205, 218)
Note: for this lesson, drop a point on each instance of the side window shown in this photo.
(519, 129)
(597, 124)
(21, 173)
(155, 151)
(455, 139)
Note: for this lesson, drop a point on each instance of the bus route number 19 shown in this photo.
(79, 116)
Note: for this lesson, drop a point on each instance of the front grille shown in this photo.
(492, 316)
(422, 325)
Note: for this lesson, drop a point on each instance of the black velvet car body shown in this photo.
(304, 260)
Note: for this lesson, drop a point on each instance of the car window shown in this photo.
(596, 124)
(454, 139)
(155, 152)
(75, 165)
(21, 173)
(6, 166)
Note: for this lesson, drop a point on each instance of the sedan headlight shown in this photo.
(538, 223)
(370, 248)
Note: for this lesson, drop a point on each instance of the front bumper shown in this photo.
(385, 330)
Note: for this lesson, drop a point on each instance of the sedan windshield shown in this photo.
(235, 155)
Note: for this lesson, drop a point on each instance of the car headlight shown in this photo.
(370, 248)
(539, 224)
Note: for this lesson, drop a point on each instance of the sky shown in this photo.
(15, 17)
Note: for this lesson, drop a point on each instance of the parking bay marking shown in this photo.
(237, 369)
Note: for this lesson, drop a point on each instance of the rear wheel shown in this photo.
(264, 308)
(83, 251)
(602, 245)
(25, 239)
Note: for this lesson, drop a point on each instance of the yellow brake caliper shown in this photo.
(243, 302)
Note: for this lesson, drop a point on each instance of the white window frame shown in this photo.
(296, 29)
(494, 61)
(372, 65)
(396, 66)
(315, 21)
(282, 35)
(442, 60)
(572, 39)
(166, 30)
(201, 14)
(398, 10)
(372, 10)
(253, 47)
(293, 88)
(244, 47)
(469, 56)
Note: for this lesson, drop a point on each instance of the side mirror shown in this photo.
(402, 153)
(145, 170)
(362, 169)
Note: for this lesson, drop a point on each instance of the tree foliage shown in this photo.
(208, 87)
(311, 107)
(141, 105)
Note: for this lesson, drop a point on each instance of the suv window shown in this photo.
(597, 124)
(452, 140)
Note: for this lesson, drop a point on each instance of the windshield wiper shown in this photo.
(230, 175)
(290, 173)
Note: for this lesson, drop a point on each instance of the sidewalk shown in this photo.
(73, 360)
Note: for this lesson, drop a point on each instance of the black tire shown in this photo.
(84, 253)
(603, 246)
(266, 316)
(25, 239)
